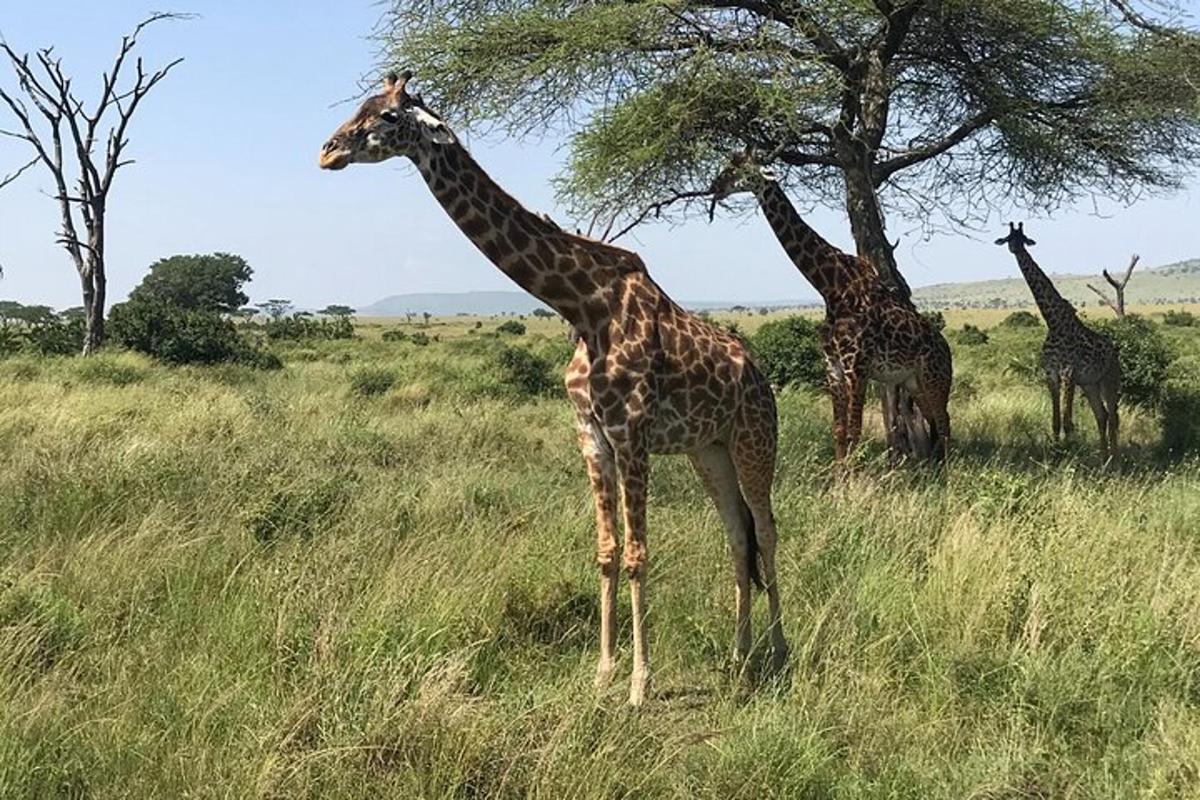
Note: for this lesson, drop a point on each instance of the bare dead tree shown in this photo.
(83, 148)
(1118, 288)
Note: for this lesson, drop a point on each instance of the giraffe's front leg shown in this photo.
(856, 390)
(602, 473)
(1067, 384)
(633, 470)
(1052, 383)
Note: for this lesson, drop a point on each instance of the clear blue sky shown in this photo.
(226, 155)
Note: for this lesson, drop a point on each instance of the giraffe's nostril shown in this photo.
(331, 144)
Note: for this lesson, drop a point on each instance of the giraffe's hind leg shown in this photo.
(602, 473)
(753, 454)
(1096, 401)
(1067, 385)
(715, 467)
(1111, 394)
(934, 401)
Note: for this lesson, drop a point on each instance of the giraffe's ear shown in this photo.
(433, 128)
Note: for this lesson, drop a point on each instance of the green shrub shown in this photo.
(972, 336)
(57, 336)
(526, 374)
(420, 339)
(10, 341)
(789, 352)
(935, 318)
(513, 327)
(301, 328)
(1145, 357)
(1180, 319)
(395, 335)
(1022, 319)
(371, 381)
(179, 313)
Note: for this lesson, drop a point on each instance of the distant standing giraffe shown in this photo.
(868, 332)
(646, 377)
(1072, 354)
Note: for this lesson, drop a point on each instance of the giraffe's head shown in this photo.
(1016, 239)
(743, 175)
(392, 123)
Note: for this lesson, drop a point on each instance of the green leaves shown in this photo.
(956, 105)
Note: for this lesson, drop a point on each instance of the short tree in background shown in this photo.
(789, 352)
(275, 308)
(940, 110)
(182, 311)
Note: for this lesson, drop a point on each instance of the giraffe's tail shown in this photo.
(752, 548)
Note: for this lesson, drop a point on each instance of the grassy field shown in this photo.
(370, 574)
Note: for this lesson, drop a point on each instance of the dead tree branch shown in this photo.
(65, 137)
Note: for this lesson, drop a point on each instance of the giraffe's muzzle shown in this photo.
(334, 155)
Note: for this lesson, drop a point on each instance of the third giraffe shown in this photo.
(1073, 353)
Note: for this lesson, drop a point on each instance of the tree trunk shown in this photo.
(94, 292)
(901, 417)
(867, 223)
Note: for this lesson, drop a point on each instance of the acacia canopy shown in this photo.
(940, 110)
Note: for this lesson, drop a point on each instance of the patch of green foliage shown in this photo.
(788, 351)
(512, 327)
(181, 313)
(935, 318)
(972, 336)
(1179, 319)
(1022, 319)
(525, 373)
(371, 381)
(303, 327)
(1145, 357)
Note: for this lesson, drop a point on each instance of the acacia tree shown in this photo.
(66, 137)
(940, 110)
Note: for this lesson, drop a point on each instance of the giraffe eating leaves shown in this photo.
(646, 376)
(1073, 353)
(868, 333)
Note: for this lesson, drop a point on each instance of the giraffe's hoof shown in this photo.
(639, 687)
(604, 674)
(779, 658)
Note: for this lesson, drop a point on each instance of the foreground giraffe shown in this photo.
(868, 332)
(646, 377)
(1073, 353)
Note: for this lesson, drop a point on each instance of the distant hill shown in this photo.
(448, 304)
(1173, 283)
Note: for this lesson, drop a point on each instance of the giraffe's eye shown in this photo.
(387, 115)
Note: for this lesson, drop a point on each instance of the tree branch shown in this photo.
(885, 169)
(1120, 286)
(1106, 300)
(10, 178)
(656, 209)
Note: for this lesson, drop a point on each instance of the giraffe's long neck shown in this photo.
(531, 250)
(1054, 308)
(826, 267)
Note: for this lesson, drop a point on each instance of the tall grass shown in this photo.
(229, 583)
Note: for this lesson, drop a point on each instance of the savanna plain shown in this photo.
(370, 573)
